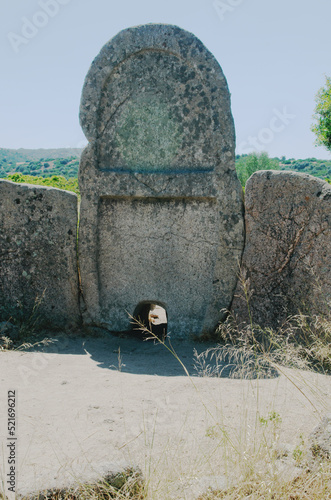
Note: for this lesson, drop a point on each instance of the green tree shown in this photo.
(248, 164)
(322, 116)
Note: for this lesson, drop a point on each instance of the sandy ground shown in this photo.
(80, 411)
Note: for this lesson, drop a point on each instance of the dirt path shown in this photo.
(77, 413)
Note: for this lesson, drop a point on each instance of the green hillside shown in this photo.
(246, 165)
(38, 154)
(44, 163)
(40, 162)
(312, 166)
(57, 181)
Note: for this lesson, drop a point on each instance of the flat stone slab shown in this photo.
(286, 264)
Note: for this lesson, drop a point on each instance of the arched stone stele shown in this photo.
(161, 212)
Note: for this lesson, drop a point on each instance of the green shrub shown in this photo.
(57, 181)
(246, 165)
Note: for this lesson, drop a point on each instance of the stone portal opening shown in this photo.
(153, 316)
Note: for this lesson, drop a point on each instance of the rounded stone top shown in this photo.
(165, 42)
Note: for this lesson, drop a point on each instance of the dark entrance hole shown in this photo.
(153, 316)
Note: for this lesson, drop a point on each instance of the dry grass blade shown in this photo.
(124, 485)
(253, 352)
(307, 486)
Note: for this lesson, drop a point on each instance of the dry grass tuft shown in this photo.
(6, 344)
(253, 352)
(124, 485)
(307, 486)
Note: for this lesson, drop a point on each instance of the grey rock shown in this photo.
(161, 212)
(320, 442)
(38, 268)
(286, 264)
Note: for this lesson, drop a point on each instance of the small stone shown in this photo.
(283, 450)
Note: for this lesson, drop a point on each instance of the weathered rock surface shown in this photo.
(38, 266)
(320, 442)
(161, 213)
(287, 257)
(9, 330)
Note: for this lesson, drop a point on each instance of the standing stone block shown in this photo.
(161, 213)
(287, 257)
(38, 235)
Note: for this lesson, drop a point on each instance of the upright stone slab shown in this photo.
(161, 212)
(287, 259)
(38, 266)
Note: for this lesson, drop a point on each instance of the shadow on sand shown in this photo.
(128, 352)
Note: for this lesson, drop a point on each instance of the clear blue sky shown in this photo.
(274, 54)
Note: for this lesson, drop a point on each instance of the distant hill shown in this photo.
(38, 154)
(312, 166)
(65, 162)
(40, 162)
